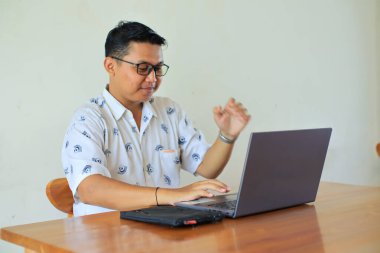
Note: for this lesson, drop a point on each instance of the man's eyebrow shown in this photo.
(146, 62)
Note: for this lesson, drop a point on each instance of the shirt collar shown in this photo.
(117, 109)
(148, 109)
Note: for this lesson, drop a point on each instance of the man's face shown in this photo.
(126, 85)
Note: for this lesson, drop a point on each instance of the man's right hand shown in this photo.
(191, 192)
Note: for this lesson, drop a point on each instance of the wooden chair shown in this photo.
(60, 195)
(378, 149)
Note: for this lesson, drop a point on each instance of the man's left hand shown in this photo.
(231, 119)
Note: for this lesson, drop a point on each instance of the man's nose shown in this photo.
(152, 76)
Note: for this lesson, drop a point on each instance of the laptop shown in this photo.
(282, 169)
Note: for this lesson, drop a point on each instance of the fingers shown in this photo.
(240, 113)
(231, 119)
(218, 111)
(197, 190)
(237, 109)
(232, 107)
(211, 184)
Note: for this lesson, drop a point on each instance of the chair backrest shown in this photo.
(59, 194)
(378, 149)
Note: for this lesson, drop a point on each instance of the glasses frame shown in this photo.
(152, 67)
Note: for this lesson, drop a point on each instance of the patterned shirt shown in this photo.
(103, 138)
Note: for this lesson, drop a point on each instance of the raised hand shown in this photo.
(231, 119)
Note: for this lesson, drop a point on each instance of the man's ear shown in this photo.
(110, 65)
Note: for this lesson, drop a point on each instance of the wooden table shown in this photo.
(344, 218)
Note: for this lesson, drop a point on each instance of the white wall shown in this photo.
(294, 64)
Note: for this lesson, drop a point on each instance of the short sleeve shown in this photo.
(192, 143)
(83, 151)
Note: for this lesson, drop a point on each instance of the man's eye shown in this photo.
(143, 67)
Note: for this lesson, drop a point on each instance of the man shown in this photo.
(125, 148)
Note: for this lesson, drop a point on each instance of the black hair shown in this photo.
(120, 37)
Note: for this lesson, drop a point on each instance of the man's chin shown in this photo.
(146, 96)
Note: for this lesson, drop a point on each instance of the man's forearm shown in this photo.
(106, 192)
(215, 159)
(110, 193)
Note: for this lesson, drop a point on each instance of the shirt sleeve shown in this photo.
(83, 151)
(192, 143)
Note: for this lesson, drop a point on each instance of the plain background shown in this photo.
(294, 64)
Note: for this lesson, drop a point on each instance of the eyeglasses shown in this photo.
(144, 69)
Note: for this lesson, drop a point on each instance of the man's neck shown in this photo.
(134, 107)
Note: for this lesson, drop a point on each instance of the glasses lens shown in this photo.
(144, 69)
(161, 70)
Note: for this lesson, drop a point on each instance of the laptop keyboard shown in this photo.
(229, 205)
